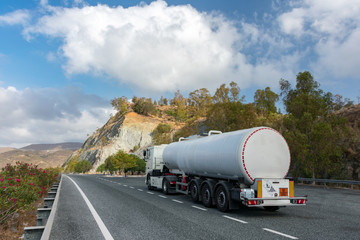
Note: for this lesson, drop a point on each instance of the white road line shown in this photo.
(150, 193)
(98, 220)
(125, 185)
(203, 209)
(177, 201)
(282, 234)
(162, 196)
(140, 190)
(235, 219)
(131, 187)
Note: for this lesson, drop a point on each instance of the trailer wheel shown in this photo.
(271, 208)
(194, 191)
(206, 195)
(222, 199)
(165, 186)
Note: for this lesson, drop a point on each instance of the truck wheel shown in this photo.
(271, 208)
(165, 186)
(194, 191)
(148, 182)
(222, 199)
(206, 195)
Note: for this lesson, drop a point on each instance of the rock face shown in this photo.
(127, 133)
(352, 152)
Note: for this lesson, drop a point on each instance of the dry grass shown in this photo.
(14, 227)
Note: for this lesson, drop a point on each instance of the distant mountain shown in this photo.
(41, 158)
(56, 146)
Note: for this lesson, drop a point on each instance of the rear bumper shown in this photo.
(279, 202)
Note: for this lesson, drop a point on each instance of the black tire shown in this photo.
(222, 199)
(271, 208)
(206, 197)
(165, 186)
(194, 191)
(148, 182)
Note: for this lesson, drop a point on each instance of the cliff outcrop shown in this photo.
(130, 132)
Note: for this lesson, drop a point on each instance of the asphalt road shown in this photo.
(129, 211)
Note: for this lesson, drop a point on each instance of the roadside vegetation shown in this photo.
(75, 165)
(21, 186)
(322, 143)
(123, 162)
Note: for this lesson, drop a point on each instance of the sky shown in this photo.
(61, 62)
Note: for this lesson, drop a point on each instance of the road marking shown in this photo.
(140, 190)
(282, 234)
(162, 196)
(203, 209)
(98, 220)
(177, 201)
(125, 185)
(235, 219)
(150, 192)
(131, 187)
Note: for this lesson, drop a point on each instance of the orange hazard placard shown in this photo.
(283, 192)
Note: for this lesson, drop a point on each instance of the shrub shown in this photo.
(162, 134)
(21, 185)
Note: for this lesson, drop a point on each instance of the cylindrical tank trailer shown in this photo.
(259, 152)
(247, 166)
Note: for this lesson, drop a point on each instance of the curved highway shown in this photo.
(104, 207)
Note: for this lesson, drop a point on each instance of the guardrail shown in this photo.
(333, 181)
(45, 216)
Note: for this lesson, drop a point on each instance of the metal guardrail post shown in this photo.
(44, 215)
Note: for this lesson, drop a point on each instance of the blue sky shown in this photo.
(62, 61)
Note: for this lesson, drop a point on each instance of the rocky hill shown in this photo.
(353, 114)
(130, 132)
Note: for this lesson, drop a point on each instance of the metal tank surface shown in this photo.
(259, 152)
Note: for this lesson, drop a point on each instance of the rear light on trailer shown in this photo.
(255, 202)
(301, 201)
(172, 183)
(298, 201)
(252, 202)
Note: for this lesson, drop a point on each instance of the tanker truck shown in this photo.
(226, 170)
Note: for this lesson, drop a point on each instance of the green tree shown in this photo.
(315, 136)
(139, 164)
(199, 101)
(235, 93)
(143, 106)
(120, 161)
(83, 166)
(71, 164)
(221, 94)
(179, 102)
(120, 104)
(101, 168)
(231, 116)
(265, 100)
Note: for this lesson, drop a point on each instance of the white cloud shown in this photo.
(49, 115)
(155, 48)
(333, 29)
(16, 17)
